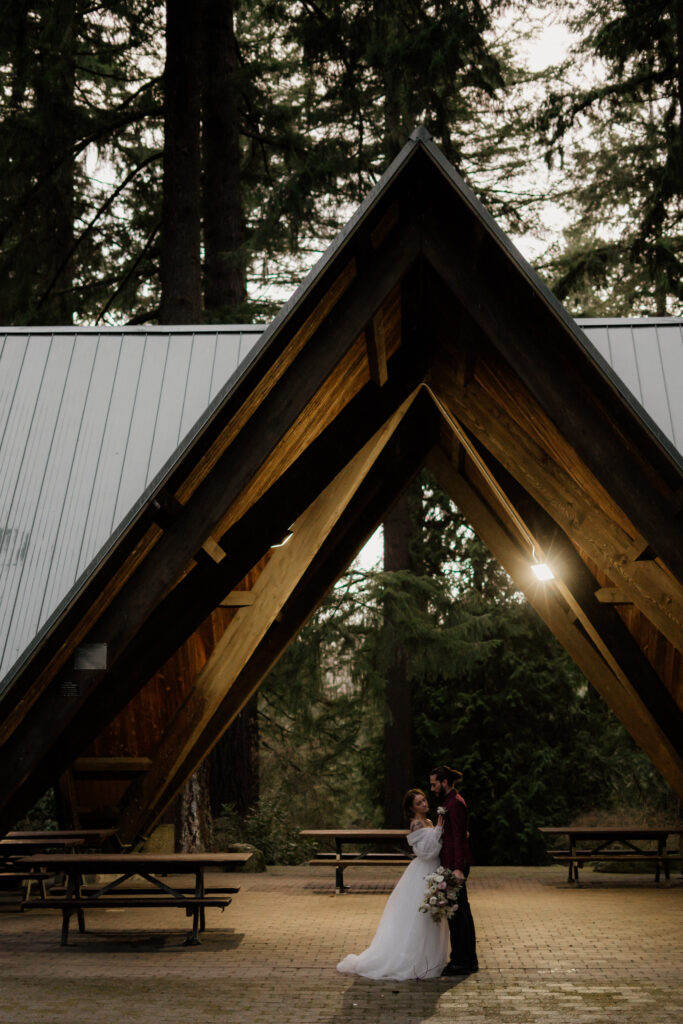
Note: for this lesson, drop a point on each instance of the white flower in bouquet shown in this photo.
(441, 894)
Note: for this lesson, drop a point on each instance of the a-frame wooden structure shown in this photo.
(422, 336)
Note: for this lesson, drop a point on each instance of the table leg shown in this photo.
(339, 887)
(199, 889)
(573, 863)
(66, 914)
(661, 849)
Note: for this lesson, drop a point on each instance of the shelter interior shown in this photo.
(421, 338)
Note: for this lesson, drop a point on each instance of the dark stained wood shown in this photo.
(395, 467)
(377, 350)
(217, 492)
(532, 340)
(56, 731)
(296, 324)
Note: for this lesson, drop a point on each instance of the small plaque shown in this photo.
(69, 689)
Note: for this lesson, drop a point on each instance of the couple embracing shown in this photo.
(407, 943)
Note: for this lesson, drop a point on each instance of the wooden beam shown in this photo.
(274, 587)
(634, 469)
(238, 599)
(395, 466)
(605, 627)
(611, 595)
(54, 730)
(111, 767)
(648, 585)
(213, 549)
(377, 349)
(553, 610)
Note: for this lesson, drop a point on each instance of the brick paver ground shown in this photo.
(608, 952)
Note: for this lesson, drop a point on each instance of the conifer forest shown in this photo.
(186, 163)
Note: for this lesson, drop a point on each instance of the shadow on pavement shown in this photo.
(95, 941)
(366, 1001)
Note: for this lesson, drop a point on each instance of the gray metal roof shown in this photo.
(88, 419)
(647, 356)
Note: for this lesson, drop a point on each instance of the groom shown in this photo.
(455, 854)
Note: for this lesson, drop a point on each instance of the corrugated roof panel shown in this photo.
(136, 463)
(87, 420)
(167, 435)
(198, 392)
(226, 362)
(647, 355)
(671, 350)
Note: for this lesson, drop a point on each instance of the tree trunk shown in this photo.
(54, 207)
(398, 748)
(234, 764)
(224, 272)
(193, 818)
(679, 52)
(180, 269)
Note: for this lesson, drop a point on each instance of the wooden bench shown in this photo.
(577, 860)
(124, 890)
(23, 881)
(349, 860)
(69, 905)
(143, 890)
(604, 851)
(358, 837)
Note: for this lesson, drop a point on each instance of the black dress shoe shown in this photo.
(450, 970)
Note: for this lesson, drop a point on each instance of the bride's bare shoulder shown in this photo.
(416, 823)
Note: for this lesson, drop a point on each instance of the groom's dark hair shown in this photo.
(445, 774)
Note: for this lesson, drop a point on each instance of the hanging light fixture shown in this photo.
(541, 570)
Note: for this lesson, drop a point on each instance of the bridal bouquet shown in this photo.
(441, 895)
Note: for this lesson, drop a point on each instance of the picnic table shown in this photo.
(12, 847)
(13, 879)
(76, 896)
(366, 838)
(613, 843)
(60, 837)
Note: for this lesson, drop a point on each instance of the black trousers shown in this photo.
(463, 937)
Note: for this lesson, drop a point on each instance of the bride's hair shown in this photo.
(445, 774)
(408, 800)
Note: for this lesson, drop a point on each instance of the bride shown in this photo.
(408, 944)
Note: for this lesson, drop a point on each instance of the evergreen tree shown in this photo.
(180, 266)
(72, 84)
(619, 137)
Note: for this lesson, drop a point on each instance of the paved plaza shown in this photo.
(608, 951)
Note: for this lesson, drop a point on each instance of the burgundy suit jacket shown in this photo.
(455, 848)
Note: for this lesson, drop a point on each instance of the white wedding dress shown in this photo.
(407, 944)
